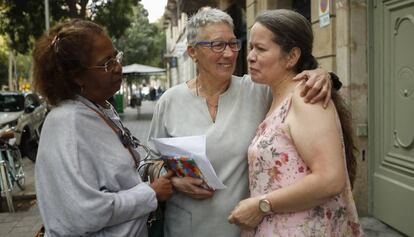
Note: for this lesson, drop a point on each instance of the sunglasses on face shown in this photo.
(219, 46)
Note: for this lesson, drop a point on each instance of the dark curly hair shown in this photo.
(60, 57)
(290, 29)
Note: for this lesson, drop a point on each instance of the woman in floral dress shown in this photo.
(302, 154)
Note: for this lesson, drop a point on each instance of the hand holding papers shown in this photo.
(184, 166)
(193, 149)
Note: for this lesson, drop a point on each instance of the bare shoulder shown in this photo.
(301, 108)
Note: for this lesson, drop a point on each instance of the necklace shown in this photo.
(196, 87)
(208, 104)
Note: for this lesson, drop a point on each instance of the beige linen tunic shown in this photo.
(179, 112)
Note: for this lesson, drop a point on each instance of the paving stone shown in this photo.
(28, 221)
(20, 229)
(4, 216)
(12, 218)
(37, 225)
(6, 227)
(23, 231)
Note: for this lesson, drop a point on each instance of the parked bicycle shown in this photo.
(11, 166)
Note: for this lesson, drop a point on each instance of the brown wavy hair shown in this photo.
(60, 57)
(290, 29)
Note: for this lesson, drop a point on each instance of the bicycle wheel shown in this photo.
(19, 176)
(5, 185)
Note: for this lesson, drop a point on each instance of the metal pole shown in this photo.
(47, 16)
(16, 79)
(11, 87)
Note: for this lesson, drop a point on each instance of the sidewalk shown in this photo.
(27, 223)
(22, 223)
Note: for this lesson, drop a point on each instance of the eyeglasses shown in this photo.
(110, 65)
(219, 46)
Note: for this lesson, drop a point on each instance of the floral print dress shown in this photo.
(274, 163)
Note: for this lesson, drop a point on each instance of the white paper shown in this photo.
(194, 147)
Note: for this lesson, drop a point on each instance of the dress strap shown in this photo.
(287, 103)
(284, 109)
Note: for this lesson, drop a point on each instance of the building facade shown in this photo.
(367, 43)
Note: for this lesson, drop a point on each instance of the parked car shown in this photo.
(25, 112)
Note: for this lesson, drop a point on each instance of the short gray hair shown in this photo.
(204, 17)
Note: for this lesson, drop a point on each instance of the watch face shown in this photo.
(264, 206)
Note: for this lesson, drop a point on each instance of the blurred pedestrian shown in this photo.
(86, 170)
(152, 93)
(160, 91)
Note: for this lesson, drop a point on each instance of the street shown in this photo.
(26, 221)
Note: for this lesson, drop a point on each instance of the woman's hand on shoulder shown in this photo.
(163, 186)
(318, 86)
(192, 187)
(317, 107)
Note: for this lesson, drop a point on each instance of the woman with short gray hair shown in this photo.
(203, 18)
(225, 108)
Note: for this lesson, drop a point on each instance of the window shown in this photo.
(11, 102)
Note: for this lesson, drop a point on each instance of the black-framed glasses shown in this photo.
(110, 65)
(219, 46)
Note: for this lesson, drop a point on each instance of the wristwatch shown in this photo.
(265, 206)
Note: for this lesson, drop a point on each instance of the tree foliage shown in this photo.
(115, 15)
(142, 42)
(126, 21)
(20, 20)
(23, 20)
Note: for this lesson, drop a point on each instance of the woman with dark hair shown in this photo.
(298, 162)
(87, 181)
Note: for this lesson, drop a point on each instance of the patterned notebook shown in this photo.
(184, 166)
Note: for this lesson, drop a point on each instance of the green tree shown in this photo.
(142, 42)
(20, 20)
(23, 20)
(115, 15)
